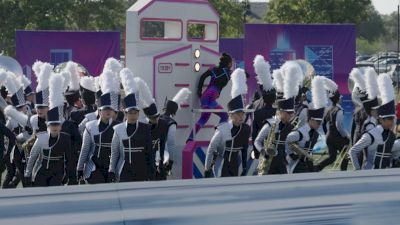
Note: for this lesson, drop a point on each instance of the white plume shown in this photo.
(291, 80)
(72, 68)
(13, 113)
(358, 79)
(36, 67)
(108, 83)
(386, 89)
(262, 69)
(97, 83)
(56, 90)
(330, 85)
(144, 92)
(113, 65)
(182, 96)
(128, 81)
(88, 82)
(292, 69)
(278, 80)
(239, 85)
(319, 95)
(46, 69)
(12, 84)
(3, 76)
(25, 81)
(371, 83)
(67, 79)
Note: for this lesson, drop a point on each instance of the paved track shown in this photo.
(363, 197)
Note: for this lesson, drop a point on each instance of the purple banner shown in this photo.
(329, 48)
(90, 49)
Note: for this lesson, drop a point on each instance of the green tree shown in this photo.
(317, 11)
(231, 17)
(58, 15)
(373, 27)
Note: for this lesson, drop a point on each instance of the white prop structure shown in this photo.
(170, 43)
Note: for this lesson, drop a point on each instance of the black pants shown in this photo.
(130, 173)
(278, 165)
(230, 168)
(161, 173)
(304, 167)
(335, 144)
(99, 176)
(50, 177)
(2, 168)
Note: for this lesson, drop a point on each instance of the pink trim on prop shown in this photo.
(182, 64)
(182, 85)
(183, 126)
(208, 65)
(161, 20)
(202, 39)
(162, 56)
(185, 106)
(181, 1)
(212, 51)
(209, 126)
(187, 158)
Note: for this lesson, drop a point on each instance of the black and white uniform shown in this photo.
(228, 143)
(306, 138)
(50, 157)
(170, 147)
(38, 123)
(278, 163)
(158, 137)
(379, 144)
(87, 118)
(17, 156)
(94, 158)
(337, 137)
(359, 119)
(5, 155)
(71, 128)
(78, 116)
(262, 113)
(132, 157)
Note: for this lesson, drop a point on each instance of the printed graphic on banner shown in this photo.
(321, 57)
(282, 52)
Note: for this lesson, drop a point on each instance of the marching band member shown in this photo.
(5, 132)
(50, 158)
(378, 141)
(220, 77)
(132, 155)
(18, 122)
(231, 139)
(337, 137)
(94, 158)
(300, 143)
(263, 107)
(170, 109)
(38, 121)
(273, 161)
(158, 127)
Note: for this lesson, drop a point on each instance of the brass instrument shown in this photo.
(270, 148)
(300, 151)
(308, 71)
(27, 146)
(343, 154)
